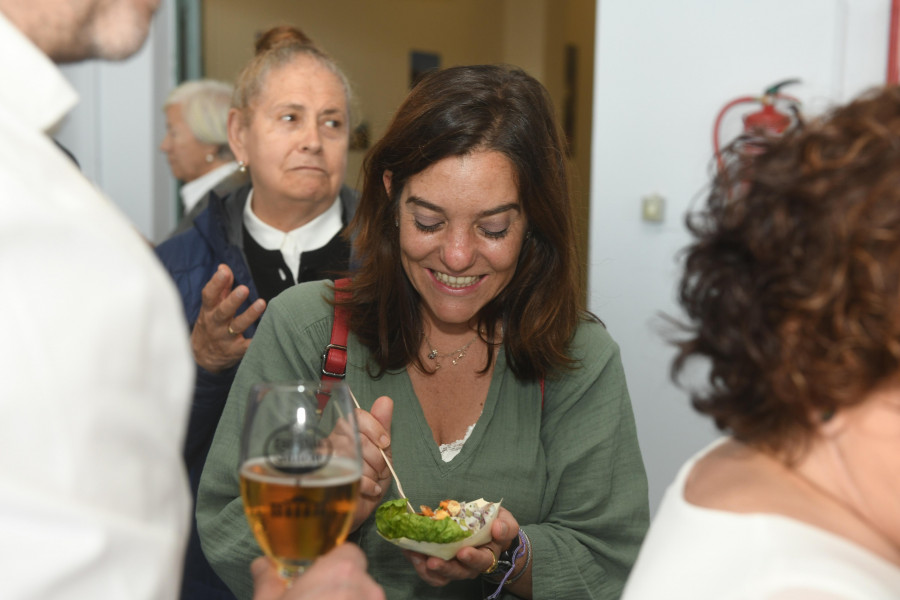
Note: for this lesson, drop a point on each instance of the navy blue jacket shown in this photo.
(191, 258)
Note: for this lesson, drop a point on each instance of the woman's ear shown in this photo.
(236, 134)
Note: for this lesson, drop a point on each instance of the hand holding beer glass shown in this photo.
(300, 469)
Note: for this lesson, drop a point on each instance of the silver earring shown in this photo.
(210, 157)
(242, 166)
(396, 222)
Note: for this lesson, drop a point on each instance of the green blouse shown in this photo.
(570, 471)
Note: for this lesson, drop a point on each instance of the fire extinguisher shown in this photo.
(766, 122)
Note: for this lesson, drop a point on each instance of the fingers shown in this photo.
(348, 553)
(267, 585)
(338, 575)
(217, 286)
(374, 437)
(241, 322)
(432, 575)
(383, 411)
(504, 528)
(221, 309)
(469, 562)
(472, 562)
(216, 338)
(376, 475)
(374, 429)
(220, 302)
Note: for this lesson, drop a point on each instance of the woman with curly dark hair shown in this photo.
(479, 370)
(792, 293)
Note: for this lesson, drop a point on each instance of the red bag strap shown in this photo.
(334, 356)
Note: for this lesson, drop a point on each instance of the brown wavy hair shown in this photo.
(792, 285)
(453, 112)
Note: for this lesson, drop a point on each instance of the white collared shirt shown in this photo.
(194, 191)
(311, 236)
(96, 369)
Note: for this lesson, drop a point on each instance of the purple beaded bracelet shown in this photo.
(524, 543)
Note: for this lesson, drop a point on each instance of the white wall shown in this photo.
(116, 129)
(663, 70)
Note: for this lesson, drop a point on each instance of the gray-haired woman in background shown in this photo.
(196, 141)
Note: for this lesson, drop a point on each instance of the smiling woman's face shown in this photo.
(296, 140)
(461, 231)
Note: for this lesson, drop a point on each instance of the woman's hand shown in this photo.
(374, 434)
(469, 562)
(216, 339)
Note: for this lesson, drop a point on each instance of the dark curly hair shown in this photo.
(792, 285)
(453, 112)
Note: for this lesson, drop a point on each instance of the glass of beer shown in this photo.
(300, 469)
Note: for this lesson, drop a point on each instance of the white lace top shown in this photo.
(449, 451)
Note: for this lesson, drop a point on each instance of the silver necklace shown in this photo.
(455, 356)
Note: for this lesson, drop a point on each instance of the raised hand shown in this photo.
(217, 338)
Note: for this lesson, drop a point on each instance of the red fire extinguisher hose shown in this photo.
(716, 145)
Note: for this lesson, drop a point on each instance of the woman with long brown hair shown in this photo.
(482, 374)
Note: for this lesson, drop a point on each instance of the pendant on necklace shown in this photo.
(455, 356)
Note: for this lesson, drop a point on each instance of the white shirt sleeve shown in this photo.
(95, 377)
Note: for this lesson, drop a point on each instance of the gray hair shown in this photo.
(280, 53)
(205, 104)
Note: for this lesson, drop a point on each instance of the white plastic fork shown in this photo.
(390, 466)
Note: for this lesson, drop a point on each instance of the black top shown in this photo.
(272, 275)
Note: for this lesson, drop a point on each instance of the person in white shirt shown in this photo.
(96, 366)
(96, 369)
(791, 291)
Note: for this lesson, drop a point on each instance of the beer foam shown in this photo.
(340, 470)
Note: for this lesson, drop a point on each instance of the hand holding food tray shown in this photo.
(442, 532)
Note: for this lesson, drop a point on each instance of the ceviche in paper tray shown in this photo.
(441, 532)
